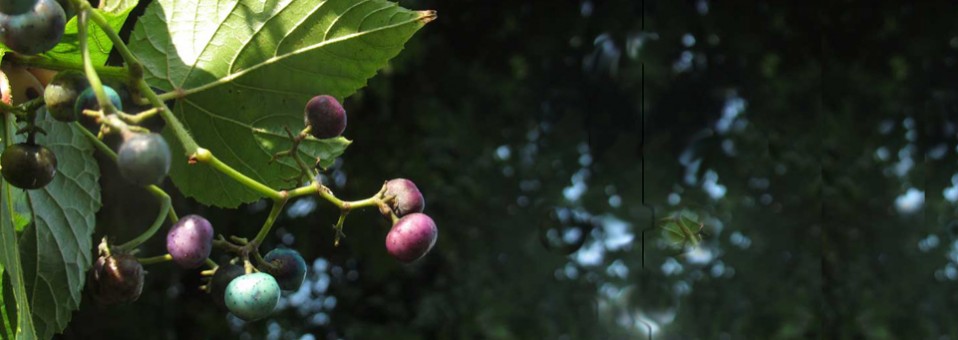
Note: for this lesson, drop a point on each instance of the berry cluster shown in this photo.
(115, 114)
(143, 158)
(248, 286)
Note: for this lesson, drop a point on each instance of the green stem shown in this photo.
(96, 141)
(63, 65)
(138, 118)
(211, 264)
(302, 191)
(168, 96)
(133, 65)
(165, 205)
(105, 104)
(205, 156)
(268, 267)
(264, 231)
(327, 194)
(135, 69)
(155, 190)
(155, 259)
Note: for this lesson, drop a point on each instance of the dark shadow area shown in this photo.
(816, 143)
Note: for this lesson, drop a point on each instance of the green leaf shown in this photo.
(21, 214)
(673, 234)
(68, 50)
(8, 307)
(57, 249)
(249, 66)
(9, 248)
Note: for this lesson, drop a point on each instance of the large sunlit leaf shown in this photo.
(249, 67)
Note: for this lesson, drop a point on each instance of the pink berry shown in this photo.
(411, 237)
(406, 197)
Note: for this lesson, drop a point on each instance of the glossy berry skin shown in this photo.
(291, 268)
(87, 100)
(224, 274)
(252, 296)
(144, 159)
(35, 31)
(325, 116)
(28, 166)
(189, 241)
(411, 237)
(116, 279)
(61, 94)
(406, 197)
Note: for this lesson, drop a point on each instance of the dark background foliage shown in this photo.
(816, 141)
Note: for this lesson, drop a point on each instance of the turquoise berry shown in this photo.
(87, 100)
(252, 296)
(290, 267)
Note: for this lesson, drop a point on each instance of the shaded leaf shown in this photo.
(9, 249)
(57, 248)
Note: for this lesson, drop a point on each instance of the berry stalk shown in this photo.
(105, 104)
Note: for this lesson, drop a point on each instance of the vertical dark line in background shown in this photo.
(642, 159)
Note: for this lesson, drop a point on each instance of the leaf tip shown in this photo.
(427, 16)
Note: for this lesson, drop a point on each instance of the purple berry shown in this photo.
(406, 197)
(116, 279)
(290, 267)
(325, 116)
(411, 237)
(190, 241)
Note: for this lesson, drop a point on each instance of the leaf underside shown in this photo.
(249, 67)
(56, 249)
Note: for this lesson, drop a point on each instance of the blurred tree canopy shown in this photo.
(816, 142)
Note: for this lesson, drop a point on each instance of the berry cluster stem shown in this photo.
(166, 207)
(105, 104)
(155, 259)
(205, 156)
(268, 225)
